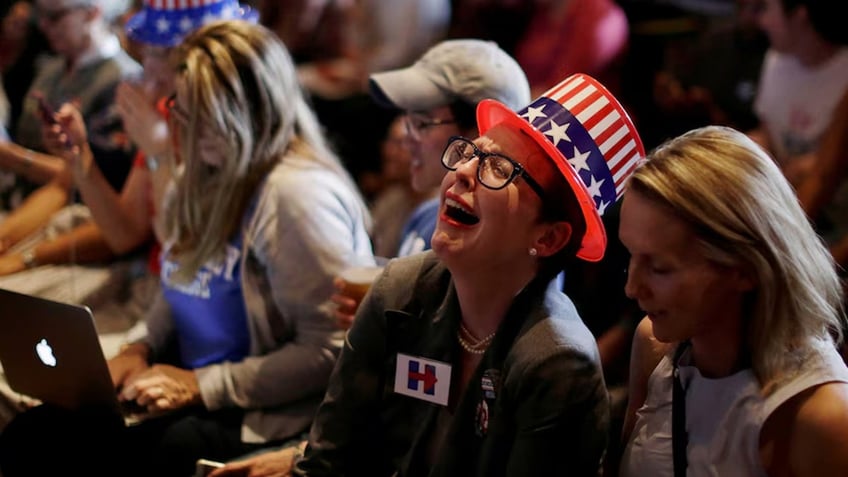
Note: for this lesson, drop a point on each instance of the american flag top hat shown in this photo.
(166, 22)
(589, 136)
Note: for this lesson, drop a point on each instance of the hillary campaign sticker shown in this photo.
(423, 378)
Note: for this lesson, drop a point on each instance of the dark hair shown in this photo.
(825, 16)
(465, 114)
(561, 205)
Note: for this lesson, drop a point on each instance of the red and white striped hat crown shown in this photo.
(166, 22)
(590, 138)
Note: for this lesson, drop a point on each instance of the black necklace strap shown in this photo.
(679, 436)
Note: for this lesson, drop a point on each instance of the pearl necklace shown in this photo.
(470, 343)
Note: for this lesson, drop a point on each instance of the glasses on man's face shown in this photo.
(416, 124)
(494, 171)
(55, 16)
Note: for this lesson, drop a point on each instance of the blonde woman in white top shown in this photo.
(743, 299)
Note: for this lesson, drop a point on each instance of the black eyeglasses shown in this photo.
(494, 171)
(416, 124)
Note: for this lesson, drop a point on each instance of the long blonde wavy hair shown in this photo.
(239, 83)
(746, 214)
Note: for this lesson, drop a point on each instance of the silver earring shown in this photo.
(533, 251)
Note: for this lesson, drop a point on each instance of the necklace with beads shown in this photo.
(470, 343)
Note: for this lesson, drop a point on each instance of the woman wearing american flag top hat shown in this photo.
(467, 360)
(734, 369)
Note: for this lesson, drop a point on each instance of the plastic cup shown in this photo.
(358, 280)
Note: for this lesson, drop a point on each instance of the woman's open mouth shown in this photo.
(459, 213)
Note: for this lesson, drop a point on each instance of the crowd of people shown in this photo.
(576, 276)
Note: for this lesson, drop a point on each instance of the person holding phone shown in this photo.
(87, 71)
(89, 65)
(240, 341)
(118, 238)
(121, 220)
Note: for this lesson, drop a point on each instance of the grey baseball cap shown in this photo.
(468, 70)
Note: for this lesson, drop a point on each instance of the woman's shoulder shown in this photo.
(301, 175)
(302, 185)
(554, 335)
(806, 416)
(823, 413)
(812, 431)
(822, 365)
(417, 276)
(416, 264)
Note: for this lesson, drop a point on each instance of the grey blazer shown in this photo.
(540, 380)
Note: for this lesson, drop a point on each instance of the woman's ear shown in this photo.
(553, 238)
(744, 280)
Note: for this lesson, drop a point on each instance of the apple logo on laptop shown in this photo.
(45, 353)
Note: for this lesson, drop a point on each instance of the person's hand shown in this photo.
(142, 122)
(163, 388)
(11, 263)
(66, 132)
(345, 306)
(68, 138)
(270, 464)
(129, 363)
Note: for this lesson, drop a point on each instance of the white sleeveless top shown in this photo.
(723, 418)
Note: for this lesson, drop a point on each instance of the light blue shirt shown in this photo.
(419, 229)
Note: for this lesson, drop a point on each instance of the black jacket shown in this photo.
(548, 416)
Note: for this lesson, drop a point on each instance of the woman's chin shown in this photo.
(444, 245)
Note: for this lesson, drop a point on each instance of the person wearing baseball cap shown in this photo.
(438, 96)
(468, 359)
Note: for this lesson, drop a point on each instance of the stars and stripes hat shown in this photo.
(166, 22)
(590, 138)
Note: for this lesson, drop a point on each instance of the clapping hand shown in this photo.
(142, 122)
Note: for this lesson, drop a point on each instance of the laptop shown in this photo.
(50, 351)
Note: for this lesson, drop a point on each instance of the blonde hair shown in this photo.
(241, 82)
(746, 214)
